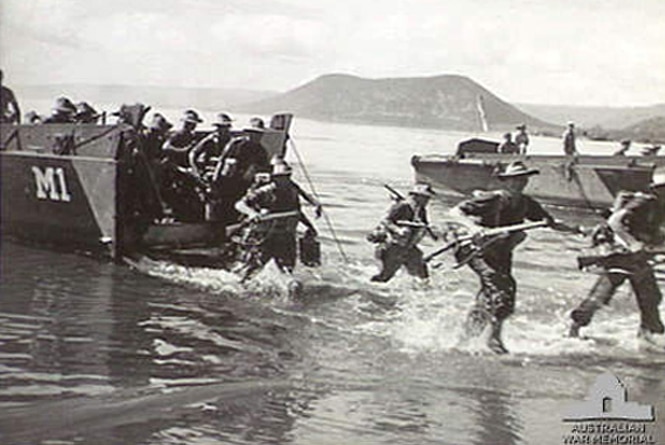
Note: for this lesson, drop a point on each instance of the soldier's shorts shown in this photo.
(394, 256)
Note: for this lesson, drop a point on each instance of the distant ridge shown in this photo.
(587, 116)
(447, 102)
(214, 99)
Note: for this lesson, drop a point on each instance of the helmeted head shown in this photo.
(422, 192)
(64, 106)
(521, 127)
(516, 174)
(570, 124)
(257, 122)
(190, 119)
(507, 136)
(223, 121)
(159, 123)
(85, 112)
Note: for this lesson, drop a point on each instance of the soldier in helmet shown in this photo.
(279, 196)
(209, 149)
(493, 264)
(399, 234)
(63, 112)
(634, 228)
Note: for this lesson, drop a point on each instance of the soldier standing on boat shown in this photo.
(242, 158)
(209, 149)
(507, 146)
(522, 138)
(630, 232)
(85, 113)
(177, 146)
(569, 140)
(625, 146)
(278, 237)
(10, 113)
(399, 233)
(63, 112)
(493, 263)
(181, 190)
(155, 136)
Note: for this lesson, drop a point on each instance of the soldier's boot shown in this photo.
(495, 343)
(574, 330)
(651, 341)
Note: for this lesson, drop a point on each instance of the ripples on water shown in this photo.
(92, 352)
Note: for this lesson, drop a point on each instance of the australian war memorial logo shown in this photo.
(607, 417)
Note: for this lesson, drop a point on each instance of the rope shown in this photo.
(316, 195)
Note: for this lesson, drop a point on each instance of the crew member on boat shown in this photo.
(278, 236)
(399, 233)
(177, 146)
(63, 112)
(569, 140)
(154, 137)
(242, 158)
(209, 149)
(181, 189)
(522, 138)
(625, 146)
(85, 114)
(492, 263)
(507, 146)
(10, 113)
(631, 230)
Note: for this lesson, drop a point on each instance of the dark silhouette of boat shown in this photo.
(83, 187)
(584, 181)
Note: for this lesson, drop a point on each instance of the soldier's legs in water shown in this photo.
(601, 293)
(282, 247)
(415, 264)
(391, 258)
(494, 302)
(648, 297)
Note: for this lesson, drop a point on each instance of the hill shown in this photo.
(588, 117)
(448, 102)
(650, 130)
(214, 99)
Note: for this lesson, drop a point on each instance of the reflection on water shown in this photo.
(189, 357)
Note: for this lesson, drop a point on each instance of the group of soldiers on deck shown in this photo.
(489, 225)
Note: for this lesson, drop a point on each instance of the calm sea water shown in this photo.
(96, 353)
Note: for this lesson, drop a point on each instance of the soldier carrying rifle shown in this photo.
(492, 261)
(399, 233)
(628, 238)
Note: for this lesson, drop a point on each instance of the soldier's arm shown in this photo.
(618, 223)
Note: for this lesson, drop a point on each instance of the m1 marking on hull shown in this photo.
(46, 186)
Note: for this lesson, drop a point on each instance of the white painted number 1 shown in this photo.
(46, 185)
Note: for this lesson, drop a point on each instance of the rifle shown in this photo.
(269, 217)
(493, 234)
(397, 196)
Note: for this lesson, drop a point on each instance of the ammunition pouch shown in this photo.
(377, 236)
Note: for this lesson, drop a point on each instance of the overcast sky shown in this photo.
(578, 52)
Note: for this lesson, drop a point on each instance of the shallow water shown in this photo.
(92, 352)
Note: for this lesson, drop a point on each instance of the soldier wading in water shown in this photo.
(398, 235)
(492, 262)
(630, 232)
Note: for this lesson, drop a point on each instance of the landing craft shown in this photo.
(583, 182)
(81, 186)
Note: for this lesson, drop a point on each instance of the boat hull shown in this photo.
(85, 187)
(589, 182)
